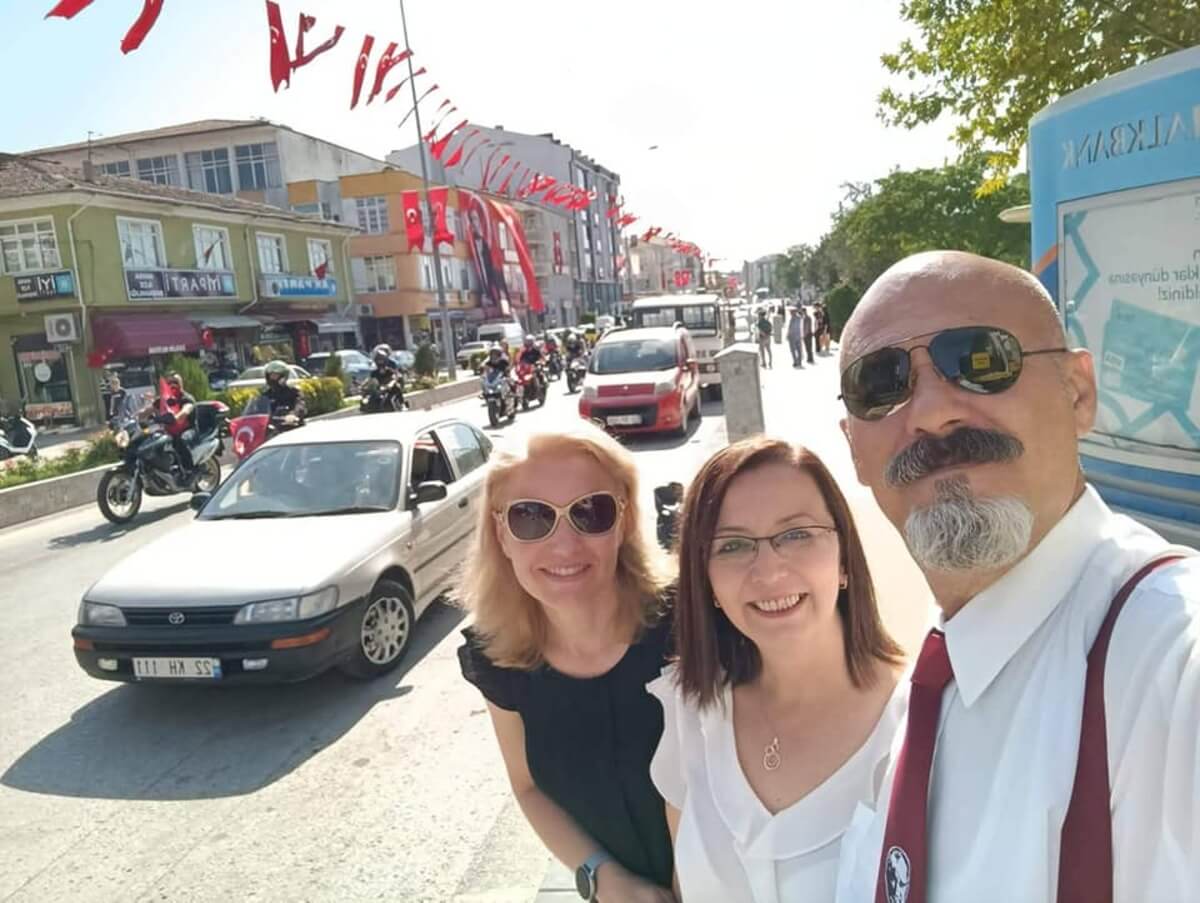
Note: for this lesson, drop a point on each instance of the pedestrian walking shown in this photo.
(808, 334)
(796, 338)
(823, 330)
(1051, 750)
(785, 697)
(570, 626)
(764, 339)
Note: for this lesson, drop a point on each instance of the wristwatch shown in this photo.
(585, 875)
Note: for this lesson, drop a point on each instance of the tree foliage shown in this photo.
(992, 64)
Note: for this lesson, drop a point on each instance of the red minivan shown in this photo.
(643, 381)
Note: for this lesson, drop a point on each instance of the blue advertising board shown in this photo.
(1115, 183)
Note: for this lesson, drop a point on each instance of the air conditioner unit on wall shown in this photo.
(61, 328)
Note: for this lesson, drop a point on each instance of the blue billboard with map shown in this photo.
(1115, 180)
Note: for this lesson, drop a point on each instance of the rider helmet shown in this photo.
(277, 369)
(382, 351)
(529, 341)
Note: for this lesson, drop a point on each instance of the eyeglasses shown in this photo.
(792, 544)
(532, 520)
(980, 359)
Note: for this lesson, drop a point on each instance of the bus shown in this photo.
(700, 314)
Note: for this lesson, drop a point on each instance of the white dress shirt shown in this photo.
(1008, 735)
(729, 848)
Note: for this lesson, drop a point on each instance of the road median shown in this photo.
(56, 494)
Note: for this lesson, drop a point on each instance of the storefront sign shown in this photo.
(286, 286)
(41, 286)
(143, 285)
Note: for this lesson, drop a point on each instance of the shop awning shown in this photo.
(224, 321)
(141, 335)
(336, 323)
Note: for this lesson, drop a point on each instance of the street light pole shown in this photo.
(447, 334)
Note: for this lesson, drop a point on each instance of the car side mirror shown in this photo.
(200, 499)
(430, 491)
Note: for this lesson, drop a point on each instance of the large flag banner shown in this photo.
(522, 281)
(413, 224)
(485, 255)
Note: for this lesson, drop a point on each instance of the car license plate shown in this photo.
(177, 668)
(625, 420)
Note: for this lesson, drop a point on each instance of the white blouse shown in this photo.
(729, 848)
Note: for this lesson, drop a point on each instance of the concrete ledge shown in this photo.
(23, 503)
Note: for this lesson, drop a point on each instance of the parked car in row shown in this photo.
(472, 355)
(643, 381)
(356, 365)
(255, 377)
(370, 518)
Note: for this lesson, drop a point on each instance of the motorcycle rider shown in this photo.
(287, 402)
(174, 409)
(574, 346)
(497, 363)
(531, 354)
(386, 373)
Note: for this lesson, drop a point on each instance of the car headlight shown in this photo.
(297, 608)
(664, 386)
(589, 391)
(122, 439)
(94, 614)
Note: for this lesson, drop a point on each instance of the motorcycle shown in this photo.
(576, 371)
(150, 465)
(258, 424)
(499, 397)
(18, 436)
(376, 399)
(554, 364)
(531, 384)
(668, 500)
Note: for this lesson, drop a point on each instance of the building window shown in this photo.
(159, 170)
(372, 214)
(320, 253)
(212, 248)
(120, 169)
(454, 224)
(28, 247)
(447, 275)
(209, 171)
(258, 166)
(272, 253)
(141, 244)
(374, 274)
(464, 277)
(428, 281)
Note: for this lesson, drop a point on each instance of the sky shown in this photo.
(758, 111)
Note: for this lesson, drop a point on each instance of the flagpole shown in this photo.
(447, 333)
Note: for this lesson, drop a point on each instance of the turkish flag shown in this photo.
(412, 219)
(516, 232)
(248, 433)
(321, 269)
(441, 232)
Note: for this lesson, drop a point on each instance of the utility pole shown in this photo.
(447, 333)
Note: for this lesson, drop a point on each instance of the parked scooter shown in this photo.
(150, 465)
(668, 500)
(531, 384)
(576, 371)
(18, 436)
(258, 424)
(376, 399)
(499, 396)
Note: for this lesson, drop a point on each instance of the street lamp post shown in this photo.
(447, 334)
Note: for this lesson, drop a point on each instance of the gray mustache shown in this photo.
(964, 446)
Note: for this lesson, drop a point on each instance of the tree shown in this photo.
(992, 64)
(840, 303)
(922, 210)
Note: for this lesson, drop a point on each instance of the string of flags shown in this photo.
(501, 173)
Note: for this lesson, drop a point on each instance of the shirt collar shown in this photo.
(989, 630)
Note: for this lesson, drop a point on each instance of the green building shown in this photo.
(103, 275)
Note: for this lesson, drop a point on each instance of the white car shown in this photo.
(321, 550)
(256, 377)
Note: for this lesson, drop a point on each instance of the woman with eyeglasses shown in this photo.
(781, 708)
(567, 593)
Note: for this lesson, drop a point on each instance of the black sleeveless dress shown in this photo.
(589, 741)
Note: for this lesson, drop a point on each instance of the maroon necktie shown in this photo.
(903, 862)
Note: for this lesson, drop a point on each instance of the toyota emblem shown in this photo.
(176, 618)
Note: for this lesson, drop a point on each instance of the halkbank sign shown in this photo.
(1145, 133)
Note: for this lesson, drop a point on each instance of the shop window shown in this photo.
(141, 243)
(45, 380)
(30, 246)
(258, 166)
(212, 248)
(272, 253)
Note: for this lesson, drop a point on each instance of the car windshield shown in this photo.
(310, 480)
(629, 357)
(252, 373)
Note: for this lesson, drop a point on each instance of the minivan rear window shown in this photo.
(629, 357)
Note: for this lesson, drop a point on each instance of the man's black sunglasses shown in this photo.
(981, 359)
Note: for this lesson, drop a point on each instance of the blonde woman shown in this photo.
(781, 709)
(569, 627)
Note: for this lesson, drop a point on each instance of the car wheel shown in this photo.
(384, 632)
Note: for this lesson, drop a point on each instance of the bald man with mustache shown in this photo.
(1052, 745)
